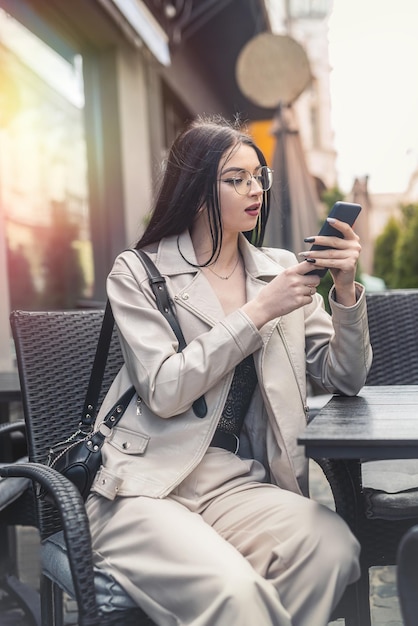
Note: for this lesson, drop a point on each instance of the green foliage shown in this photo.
(324, 289)
(405, 258)
(395, 258)
(384, 254)
(330, 196)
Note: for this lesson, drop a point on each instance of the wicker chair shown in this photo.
(55, 351)
(380, 517)
(16, 509)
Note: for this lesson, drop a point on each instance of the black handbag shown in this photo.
(80, 456)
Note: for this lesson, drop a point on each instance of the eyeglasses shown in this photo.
(242, 179)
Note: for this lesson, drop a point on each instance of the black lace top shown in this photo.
(239, 397)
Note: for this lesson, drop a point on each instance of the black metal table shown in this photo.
(379, 423)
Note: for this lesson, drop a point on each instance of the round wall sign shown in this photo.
(271, 69)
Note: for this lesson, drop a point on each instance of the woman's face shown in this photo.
(240, 195)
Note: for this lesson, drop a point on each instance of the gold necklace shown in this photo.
(224, 277)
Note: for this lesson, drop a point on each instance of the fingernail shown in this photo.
(311, 260)
(309, 239)
(331, 220)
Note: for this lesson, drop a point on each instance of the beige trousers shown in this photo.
(226, 548)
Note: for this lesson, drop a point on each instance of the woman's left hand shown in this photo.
(341, 259)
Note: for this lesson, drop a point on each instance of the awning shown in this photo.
(138, 18)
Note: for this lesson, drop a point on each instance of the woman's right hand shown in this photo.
(287, 292)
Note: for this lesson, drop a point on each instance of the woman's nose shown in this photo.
(255, 186)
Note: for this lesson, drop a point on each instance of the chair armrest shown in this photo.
(12, 441)
(407, 576)
(73, 516)
(10, 427)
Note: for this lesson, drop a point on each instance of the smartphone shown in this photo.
(344, 211)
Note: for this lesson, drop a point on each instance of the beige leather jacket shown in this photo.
(159, 440)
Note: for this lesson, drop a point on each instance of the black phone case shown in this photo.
(343, 211)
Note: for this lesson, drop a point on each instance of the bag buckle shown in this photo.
(104, 429)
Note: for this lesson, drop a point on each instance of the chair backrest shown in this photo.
(55, 352)
(393, 324)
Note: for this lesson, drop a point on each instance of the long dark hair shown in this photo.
(190, 182)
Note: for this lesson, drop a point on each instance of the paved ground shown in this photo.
(385, 607)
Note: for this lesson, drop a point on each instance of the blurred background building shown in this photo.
(91, 96)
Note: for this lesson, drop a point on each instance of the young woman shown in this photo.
(204, 520)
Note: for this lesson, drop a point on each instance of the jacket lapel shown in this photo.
(176, 257)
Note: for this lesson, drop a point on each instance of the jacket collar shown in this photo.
(257, 262)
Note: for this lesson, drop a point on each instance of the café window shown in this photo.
(43, 172)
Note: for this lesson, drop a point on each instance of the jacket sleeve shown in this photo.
(337, 346)
(338, 350)
(166, 380)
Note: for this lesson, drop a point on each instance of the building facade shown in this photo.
(91, 95)
(307, 22)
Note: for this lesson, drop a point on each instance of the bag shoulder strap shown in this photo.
(97, 371)
(159, 288)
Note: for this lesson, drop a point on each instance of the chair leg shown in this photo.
(26, 598)
(24, 595)
(354, 606)
(358, 602)
(407, 576)
(52, 606)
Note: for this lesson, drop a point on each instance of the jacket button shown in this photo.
(125, 445)
(185, 296)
